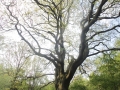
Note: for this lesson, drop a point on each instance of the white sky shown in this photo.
(12, 36)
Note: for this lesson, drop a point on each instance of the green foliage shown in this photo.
(4, 79)
(22, 85)
(49, 87)
(107, 76)
(78, 84)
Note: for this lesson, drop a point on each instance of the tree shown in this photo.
(4, 78)
(46, 28)
(15, 57)
(22, 67)
(106, 76)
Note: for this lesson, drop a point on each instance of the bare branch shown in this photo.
(111, 49)
(113, 28)
(100, 18)
(20, 33)
(46, 84)
(95, 17)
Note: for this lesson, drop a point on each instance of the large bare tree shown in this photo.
(64, 30)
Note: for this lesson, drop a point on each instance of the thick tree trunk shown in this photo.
(61, 83)
(62, 79)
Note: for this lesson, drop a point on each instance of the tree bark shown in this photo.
(62, 79)
(61, 83)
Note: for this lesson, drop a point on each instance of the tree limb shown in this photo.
(113, 28)
(111, 49)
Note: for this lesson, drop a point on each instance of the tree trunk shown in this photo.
(62, 79)
(61, 83)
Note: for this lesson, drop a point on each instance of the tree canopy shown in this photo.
(64, 32)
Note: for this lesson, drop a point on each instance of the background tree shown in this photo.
(4, 79)
(47, 29)
(106, 76)
(22, 69)
(14, 59)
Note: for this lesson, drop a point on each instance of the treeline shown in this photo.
(105, 77)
